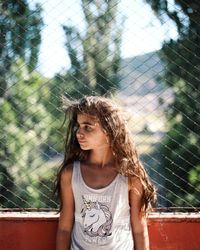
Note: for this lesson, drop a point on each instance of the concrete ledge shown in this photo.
(37, 231)
(37, 216)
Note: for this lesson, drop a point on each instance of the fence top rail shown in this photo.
(177, 209)
(56, 210)
(53, 216)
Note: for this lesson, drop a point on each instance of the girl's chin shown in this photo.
(84, 147)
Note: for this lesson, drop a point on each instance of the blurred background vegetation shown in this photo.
(31, 140)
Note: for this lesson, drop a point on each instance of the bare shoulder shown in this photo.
(135, 185)
(67, 200)
(67, 197)
(66, 174)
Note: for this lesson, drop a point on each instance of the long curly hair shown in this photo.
(122, 145)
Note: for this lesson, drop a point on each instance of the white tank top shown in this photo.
(102, 216)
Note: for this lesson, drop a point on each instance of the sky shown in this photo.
(142, 31)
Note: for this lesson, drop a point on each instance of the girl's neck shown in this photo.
(101, 158)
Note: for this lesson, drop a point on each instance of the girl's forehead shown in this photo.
(86, 118)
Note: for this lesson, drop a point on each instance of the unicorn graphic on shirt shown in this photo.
(97, 219)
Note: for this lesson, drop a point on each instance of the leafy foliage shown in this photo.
(24, 120)
(23, 115)
(182, 74)
(19, 36)
(94, 55)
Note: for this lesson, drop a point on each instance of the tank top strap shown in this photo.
(76, 172)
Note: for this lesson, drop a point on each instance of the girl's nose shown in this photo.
(79, 133)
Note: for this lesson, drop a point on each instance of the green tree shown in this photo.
(95, 55)
(19, 36)
(25, 126)
(180, 148)
(24, 120)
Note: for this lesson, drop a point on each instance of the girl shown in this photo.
(103, 187)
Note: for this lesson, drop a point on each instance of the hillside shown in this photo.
(138, 74)
(144, 98)
(140, 90)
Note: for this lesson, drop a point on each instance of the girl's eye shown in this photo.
(87, 128)
(92, 215)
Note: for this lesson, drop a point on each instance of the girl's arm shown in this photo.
(138, 219)
(66, 220)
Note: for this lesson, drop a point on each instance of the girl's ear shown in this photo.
(107, 140)
(107, 136)
(105, 132)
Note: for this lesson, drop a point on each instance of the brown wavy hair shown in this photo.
(122, 145)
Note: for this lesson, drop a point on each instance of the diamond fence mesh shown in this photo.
(159, 90)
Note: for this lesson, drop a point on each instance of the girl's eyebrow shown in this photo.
(86, 123)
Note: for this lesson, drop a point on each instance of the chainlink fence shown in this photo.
(159, 90)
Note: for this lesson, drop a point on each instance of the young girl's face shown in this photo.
(90, 133)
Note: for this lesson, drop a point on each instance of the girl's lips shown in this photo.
(81, 141)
